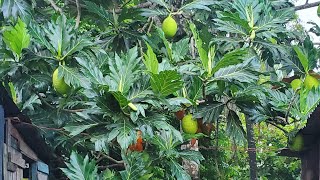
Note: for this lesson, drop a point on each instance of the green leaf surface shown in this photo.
(151, 61)
(77, 129)
(80, 168)
(166, 82)
(231, 58)
(17, 37)
(303, 58)
(34, 99)
(198, 4)
(73, 77)
(240, 72)
(14, 8)
(210, 112)
(123, 70)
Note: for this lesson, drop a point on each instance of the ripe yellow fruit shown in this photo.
(311, 82)
(297, 143)
(59, 85)
(169, 26)
(189, 125)
(295, 84)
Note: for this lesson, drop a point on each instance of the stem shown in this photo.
(204, 90)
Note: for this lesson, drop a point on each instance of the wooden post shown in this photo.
(2, 122)
(39, 171)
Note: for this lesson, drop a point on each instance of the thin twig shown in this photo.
(55, 7)
(79, 14)
(150, 26)
(113, 160)
(208, 148)
(277, 126)
(193, 54)
(145, 25)
(110, 166)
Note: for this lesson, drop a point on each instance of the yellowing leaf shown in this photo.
(17, 37)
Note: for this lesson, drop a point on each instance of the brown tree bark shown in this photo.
(251, 150)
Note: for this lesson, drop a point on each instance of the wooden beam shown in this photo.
(307, 5)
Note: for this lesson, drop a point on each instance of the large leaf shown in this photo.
(77, 129)
(136, 167)
(73, 77)
(166, 82)
(123, 101)
(180, 49)
(151, 61)
(231, 58)
(198, 4)
(167, 44)
(15, 8)
(126, 135)
(194, 156)
(302, 57)
(34, 99)
(210, 112)
(98, 10)
(240, 72)
(59, 33)
(17, 37)
(309, 101)
(178, 171)
(201, 50)
(91, 70)
(230, 27)
(39, 36)
(59, 37)
(234, 127)
(80, 168)
(123, 70)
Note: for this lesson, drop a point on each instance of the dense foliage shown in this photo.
(109, 111)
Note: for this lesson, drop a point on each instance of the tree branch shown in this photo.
(55, 7)
(306, 6)
(113, 160)
(277, 126)
(79, 13)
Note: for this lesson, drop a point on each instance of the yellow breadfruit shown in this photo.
(169, 26)
(295, 84)
(59, 85)
(311, 82)
(297, 143)
(189, 125)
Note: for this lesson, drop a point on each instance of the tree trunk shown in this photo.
(251, 150)
(191, 167)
